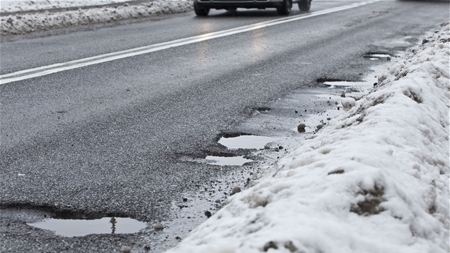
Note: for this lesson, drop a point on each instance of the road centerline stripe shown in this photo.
(59, 67)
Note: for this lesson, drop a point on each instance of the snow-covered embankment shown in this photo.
(38, 21)
(375, 179)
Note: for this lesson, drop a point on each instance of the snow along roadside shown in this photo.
(34, 5)
(31, 22)
(375, 179)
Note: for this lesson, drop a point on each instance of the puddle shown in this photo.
(227, 161)
(71, 228)
(345, 84)
(245, 142)
(262, 109)
(354, 89)
(376, 57)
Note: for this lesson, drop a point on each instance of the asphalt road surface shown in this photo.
(111, 138)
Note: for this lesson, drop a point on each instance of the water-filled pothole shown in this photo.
(71, 228)
(378, 56)
(344, 84)
(262, 109)
(227, 161)
(357, 89)
(245, 142)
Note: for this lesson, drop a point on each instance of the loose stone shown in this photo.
(235, 190)
(126, 249)
(159, 226)
(301, 128)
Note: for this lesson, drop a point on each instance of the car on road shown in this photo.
(202, 7)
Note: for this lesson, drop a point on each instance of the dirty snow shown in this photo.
(32, 5)
(375, 179)
(22, 23)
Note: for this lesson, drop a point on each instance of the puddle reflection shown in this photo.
(70, 228)
(345, 84)
(376, 57)
(227, 161)
(245, 142)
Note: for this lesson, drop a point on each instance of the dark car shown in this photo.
(283, 7)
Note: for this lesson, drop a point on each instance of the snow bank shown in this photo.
(30, 22)
(373, 180)
(33, 5)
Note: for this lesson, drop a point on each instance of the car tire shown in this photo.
(200, 11)
(304, 5)
(285, 8)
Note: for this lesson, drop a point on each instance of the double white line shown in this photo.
(59, 67)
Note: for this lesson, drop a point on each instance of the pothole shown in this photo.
(346, 84)
(245, 142)
(378, 56)
(107, 225)
(227, 161)
(70, 224)
(357, 89)
(262, 109)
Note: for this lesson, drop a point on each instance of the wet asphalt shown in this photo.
(123, 138)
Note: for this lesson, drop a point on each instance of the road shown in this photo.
(109, 139)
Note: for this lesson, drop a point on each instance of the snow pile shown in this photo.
(373, 180)
(30, 22)
(32, 5)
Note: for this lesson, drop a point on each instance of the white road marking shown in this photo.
(59, 67)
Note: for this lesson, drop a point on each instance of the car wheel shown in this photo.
(200, 11)
(304, 5)
(285, 9)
